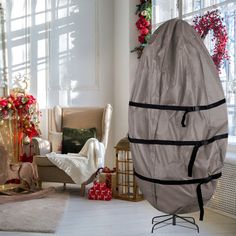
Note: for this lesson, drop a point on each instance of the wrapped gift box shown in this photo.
(99, 191)
(110, 180)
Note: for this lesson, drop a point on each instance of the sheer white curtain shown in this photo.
(53, 42)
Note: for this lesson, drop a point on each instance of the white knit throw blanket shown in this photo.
(82, 165)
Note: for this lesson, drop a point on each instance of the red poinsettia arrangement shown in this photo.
(213, 21)
(23, 108)
(143, 24)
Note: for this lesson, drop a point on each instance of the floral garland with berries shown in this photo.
(22, 108)
(213, 21)
(143, 24)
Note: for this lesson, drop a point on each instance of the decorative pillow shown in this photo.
(74, 139)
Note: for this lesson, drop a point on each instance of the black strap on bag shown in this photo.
(186, 109)
(196, 144)
(199, 182)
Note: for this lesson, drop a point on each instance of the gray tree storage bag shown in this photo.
(177, 121)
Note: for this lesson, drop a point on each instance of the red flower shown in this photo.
(31, 132)
(4, 113)
(145, 23)
(3, 102)
(17, 102)
(142, 22)
(139, 23)
(141, 39)
(144, 31)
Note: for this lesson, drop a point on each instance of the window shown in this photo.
(187, 10)
(53, 42)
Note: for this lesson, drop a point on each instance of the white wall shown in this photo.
(125, 62)
(94, 91)
(106, 65)
(133, 40)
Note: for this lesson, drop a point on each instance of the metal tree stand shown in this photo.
(183, 220)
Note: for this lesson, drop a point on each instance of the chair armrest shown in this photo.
(41, 146)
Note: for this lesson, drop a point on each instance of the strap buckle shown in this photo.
(196, 108)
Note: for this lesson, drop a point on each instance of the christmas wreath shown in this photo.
(213, 21)
(143, 24)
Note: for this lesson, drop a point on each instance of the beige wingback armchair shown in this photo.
(76, 117)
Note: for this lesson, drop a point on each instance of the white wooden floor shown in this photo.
(121, 218)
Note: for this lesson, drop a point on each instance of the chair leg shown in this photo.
(82, 189)
(64, 186)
